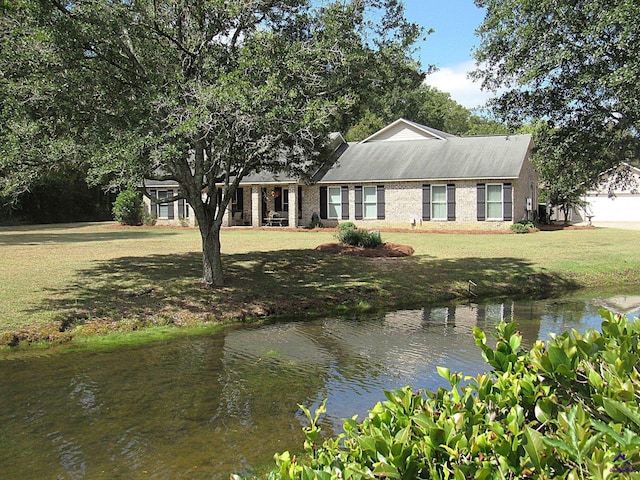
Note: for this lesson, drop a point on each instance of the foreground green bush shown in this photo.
(568, 408)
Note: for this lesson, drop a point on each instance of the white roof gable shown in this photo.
(624, 179)
(403, 130)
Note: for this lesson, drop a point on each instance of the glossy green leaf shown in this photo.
(534, 446)
(444, 372)
(385, 470)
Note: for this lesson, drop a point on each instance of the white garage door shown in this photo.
(616, 209)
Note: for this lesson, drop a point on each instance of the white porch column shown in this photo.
(256, 205)
(293, 205)
(227, 218)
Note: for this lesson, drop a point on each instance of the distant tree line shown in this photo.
(64, 195)
(58, 198)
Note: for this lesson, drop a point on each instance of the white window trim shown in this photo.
(339, 204)
(486, 202)
(446, 199)
(365, 203)
(234, 201)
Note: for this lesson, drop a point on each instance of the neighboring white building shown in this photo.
(612, 203)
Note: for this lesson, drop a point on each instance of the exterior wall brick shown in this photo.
(254, 205)
(310, 204)
(403, 209)
(525, 187)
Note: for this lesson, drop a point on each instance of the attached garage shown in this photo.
(622, 206)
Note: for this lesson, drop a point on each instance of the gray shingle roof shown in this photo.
(498, 157)
(336, 141)
(160, 183)
(266, 178)
(456, 158)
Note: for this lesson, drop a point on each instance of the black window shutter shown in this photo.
(507, 201)
(451, 202)
(299, 199)
(240, 199)
(154, 205)
(358, 205)
(181, 213)
(482, 216)
(380, 189)
(170, 205)
(345, 202)
(323, 203)
(277, 201)
(426, 202)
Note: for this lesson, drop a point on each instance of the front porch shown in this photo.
(265, 206)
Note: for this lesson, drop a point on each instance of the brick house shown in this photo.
(405, 175)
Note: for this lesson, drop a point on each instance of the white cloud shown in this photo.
(455, 80)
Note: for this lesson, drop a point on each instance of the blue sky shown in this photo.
(450, 47)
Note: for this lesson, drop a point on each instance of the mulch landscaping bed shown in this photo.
(384, 250)
(554, 227)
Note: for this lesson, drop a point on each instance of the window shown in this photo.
(370, 202)
(183, 209)
(334, 202)
(438, 202)
(165, 210)
(334, 197)
(494, 202)
(237, 201)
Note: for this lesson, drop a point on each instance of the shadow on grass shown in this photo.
(286, 282)
(51, 237)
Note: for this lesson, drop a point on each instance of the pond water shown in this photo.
(204, 407)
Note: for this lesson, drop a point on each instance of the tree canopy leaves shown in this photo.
(201, 92)
(573, 65)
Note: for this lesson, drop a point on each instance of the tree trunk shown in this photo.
(565, 210)
(211, 259)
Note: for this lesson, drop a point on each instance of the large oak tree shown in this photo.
(203, 92)
(574, 65)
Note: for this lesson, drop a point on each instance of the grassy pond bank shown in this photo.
(74, 282)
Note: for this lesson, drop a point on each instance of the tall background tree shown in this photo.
(423, 104)
(573, 65)
(201, 92)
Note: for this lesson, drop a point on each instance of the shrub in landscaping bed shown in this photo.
(524, 226)
(348, 234)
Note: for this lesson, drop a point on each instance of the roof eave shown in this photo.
(418, 179)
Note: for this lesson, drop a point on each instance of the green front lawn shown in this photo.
(60, 281)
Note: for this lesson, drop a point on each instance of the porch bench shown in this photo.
(277, 219)
(277, 222)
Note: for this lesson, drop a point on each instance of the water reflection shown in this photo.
(207, 406)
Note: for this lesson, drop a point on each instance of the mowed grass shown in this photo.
(63, 281)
